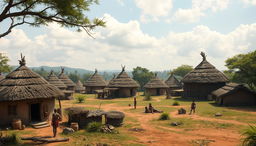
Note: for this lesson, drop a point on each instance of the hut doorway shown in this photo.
(157, 91)
(35, 112)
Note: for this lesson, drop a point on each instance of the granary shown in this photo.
(79, 88)
(156, 86)
(175, 86)
(95, 82)
(122, 86)
(27, 96)
(201, 81)
(69, 83)
(234, 94)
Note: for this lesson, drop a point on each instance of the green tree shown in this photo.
(243, 68)
(182, 70)
(142, 75)
(67, 13)
(74, 77)
(4, 67)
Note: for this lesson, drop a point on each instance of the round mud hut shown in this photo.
(201, 81)
(95, 82)
(174, 85)
(27, 96)
(79, 88)
(69, 83)
(155, 87)
(122, 86)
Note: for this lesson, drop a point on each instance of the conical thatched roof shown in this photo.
(205, 73)
(95, 80)
(54, 80)
(1, 76)
(24, 84)
(65, 79)
(123, 80)
(173, 82)
(156, 83)
(79, 86)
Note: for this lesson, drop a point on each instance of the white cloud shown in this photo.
(153, 9)
(125, 43)
(187, 15)
(214, 5)
(251, 2)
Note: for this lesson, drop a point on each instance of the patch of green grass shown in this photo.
(93, 127)
(250, 136)
(164, 116)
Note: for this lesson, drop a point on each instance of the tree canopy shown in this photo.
(142, 75)
(4, 67)
(182, 70)
(67, 13)
(242, 68)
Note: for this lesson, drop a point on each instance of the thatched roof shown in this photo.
(1, 76)
(173, 82)
(123, 80)
(65, 79)
(156, 83)
(24, 84)
(79, 86)
(205, 73)
(229, 89)
(54, 80)
(95, 80)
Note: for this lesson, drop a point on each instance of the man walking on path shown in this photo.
(134, 102)
(55, 122)
(193, 107)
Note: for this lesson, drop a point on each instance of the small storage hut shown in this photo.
(95, 82)
(27, 96)
(69, 83)
(155, 87)
(174, 85)
(201, 81)
(122, 86)
(234, 94)
(79, 88)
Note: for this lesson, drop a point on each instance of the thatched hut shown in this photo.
(95, 82)
(27, 96)
(204, 79)
(174, 85)
(155, 86)
(79, 88)
(122, 85)
(1, 76)
(234, 94)
(69, 83)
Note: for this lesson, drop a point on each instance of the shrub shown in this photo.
(164, 116)
(175, 103)
(147, 97)
(94, 127)
(250, 136)
(80, 99)
(12, 139)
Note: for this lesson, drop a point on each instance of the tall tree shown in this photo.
(68, 13)
(4, 67)
(243, 68)
(142, 75)
(182, 70)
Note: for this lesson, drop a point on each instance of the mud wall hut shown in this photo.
(201, 81)
(79, 88)
(27, 96)
(155, 87)
(173, 84)
(69, 83)
(95, 82)
(234, 94)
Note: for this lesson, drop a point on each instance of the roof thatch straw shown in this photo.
(205, 73)
(65, 79)
(95, 80)
(54, 80)
(24, 84)
(123, 80)
(79, 86)
(229, 89)
(1, 76)
(156, 83)
(173, 82)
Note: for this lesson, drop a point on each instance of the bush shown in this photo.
(250, 136)
(12, 139)
(147, 97)
(80, 99)
(164, 116)
(175, 103)
(94, 127)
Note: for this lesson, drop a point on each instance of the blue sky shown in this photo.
(158, 35)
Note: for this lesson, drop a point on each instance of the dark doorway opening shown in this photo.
(35, 112)
(131, 92)
(157, 91)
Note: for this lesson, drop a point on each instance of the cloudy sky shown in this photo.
(156, 34)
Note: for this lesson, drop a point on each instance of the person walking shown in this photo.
(55, 122)
(134, 102)
(193, 107)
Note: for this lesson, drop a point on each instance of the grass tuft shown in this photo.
(164, 116)
(250, 136)
(94, 127)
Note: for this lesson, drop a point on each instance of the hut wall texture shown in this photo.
(23, 111)
(200, 91)
(153, 91)
(127, 92)
(239, 98)
(90, 90)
